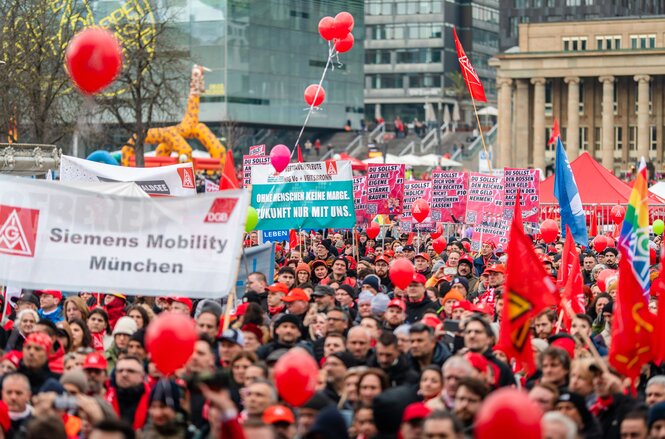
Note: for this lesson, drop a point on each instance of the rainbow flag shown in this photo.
(634, 238)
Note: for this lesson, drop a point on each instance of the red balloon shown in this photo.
(439, 232)
(170, 340)
(94, 59)
(599, 243)
(342, 25)
(310, 93)
(373, 230)
(344, 19)
(549, 230)
(345, 44)
(610, 241)
(420, 210)
(296, 374)
(603, 277)
(401, 272)
(509, 410)
(617, 213)
(439, 244)
(326, 28)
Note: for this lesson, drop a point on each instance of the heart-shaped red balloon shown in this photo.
(373, 230)
(401, 272)
(420, 210)
(94, 59)
(439, 244)
(296, 375)
(439, 232)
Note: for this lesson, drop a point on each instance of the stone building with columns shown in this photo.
(603, 80)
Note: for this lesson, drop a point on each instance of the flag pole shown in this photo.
(480, 129)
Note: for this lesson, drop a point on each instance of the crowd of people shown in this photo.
(409, 363)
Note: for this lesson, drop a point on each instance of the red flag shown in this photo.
(528, 290)
(300, 160)
(555, 132)
(409, 240)
(593, 230)
(229, 179)
(572, 293)
(658, 289)
(632, 325)
(568, 256)
(470, 76)
(293, 239)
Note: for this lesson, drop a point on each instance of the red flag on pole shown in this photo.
(568, 256)
(293, 239)
(229, 179)
(572, 293)
(593, 229)
(555, 132)
(632, 325)
(658, 289)
(470, 76)
(528, 290)
(300, 160)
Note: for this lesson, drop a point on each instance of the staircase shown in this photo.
(469, 158)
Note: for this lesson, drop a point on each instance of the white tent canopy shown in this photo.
(658, 189)
(429, 160)
(488, 111)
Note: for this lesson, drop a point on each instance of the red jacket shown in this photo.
(141, 413)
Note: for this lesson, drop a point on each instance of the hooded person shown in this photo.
(166, 417)
(114, 305)
(329, 424)
(573, 405)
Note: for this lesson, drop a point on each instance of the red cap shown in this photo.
(478, 361)
(490, 242)
(389, 253)
(430, 320)
(95, 360)
(279, 288)
(416, 410)
(295, 295)
(419, 278)
(39, 339)
(240, 310)
(466, 245)
(382, 258)
(398, 303)
(565, 343)
(464, 304)
(54, 293)
(278, 248)
(546, 259)
(496, 268)
(184, 300)
(466, 258)
(13, 356)
(423, 255)
(278, 413)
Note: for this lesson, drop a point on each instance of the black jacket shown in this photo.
(399, 373)
(416, 310)
(439, 356)
(263, 351)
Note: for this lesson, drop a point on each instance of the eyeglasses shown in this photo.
(129, 371)
(336, 319)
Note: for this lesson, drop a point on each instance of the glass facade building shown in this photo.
(262, 55)
(409, 49)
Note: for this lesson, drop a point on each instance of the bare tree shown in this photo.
(152, 83)
(36, 101)
(232, 132)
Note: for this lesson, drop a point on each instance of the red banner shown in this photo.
(385, 190)
(449, 196)
(528, 182)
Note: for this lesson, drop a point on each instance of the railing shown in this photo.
(432, 139)
(490, 136)
(411, 147)
(376, 136)
(327, 155)
(354, 144)
(601, 212)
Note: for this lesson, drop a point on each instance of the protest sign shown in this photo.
(528, 181)
(173, 180)
(449, 195)
(260, 258)
(485, 198)
(495, 229)
(275, 235)
(211, 186)
(247, 162)
(57, 237)
(304, 195)
(385, 189)
(413, 190)
(359, 191)
(257, 150)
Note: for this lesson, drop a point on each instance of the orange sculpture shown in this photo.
(174, 138)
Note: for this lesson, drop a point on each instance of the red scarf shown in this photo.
(272, 310)
(98, 340)
(141, 413)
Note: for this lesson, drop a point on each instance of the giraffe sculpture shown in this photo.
(174, 137)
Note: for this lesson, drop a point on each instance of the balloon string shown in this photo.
(331, 53)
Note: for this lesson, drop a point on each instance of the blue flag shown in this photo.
(565, 191)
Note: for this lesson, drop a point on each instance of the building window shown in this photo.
(615, 97)
(653, 137)
(632, 138)
(573, 2)
(581, 104)
(548, 98)
(618, 138)
(584, 138)
(643, 41)
(574, 43)
(597, 140)
(484, 13)
(608, 42)
(551, 3)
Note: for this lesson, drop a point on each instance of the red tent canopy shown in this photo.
(356, 165)
(596, 184)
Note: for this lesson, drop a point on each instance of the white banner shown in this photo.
(57, 237)
(173, 180)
